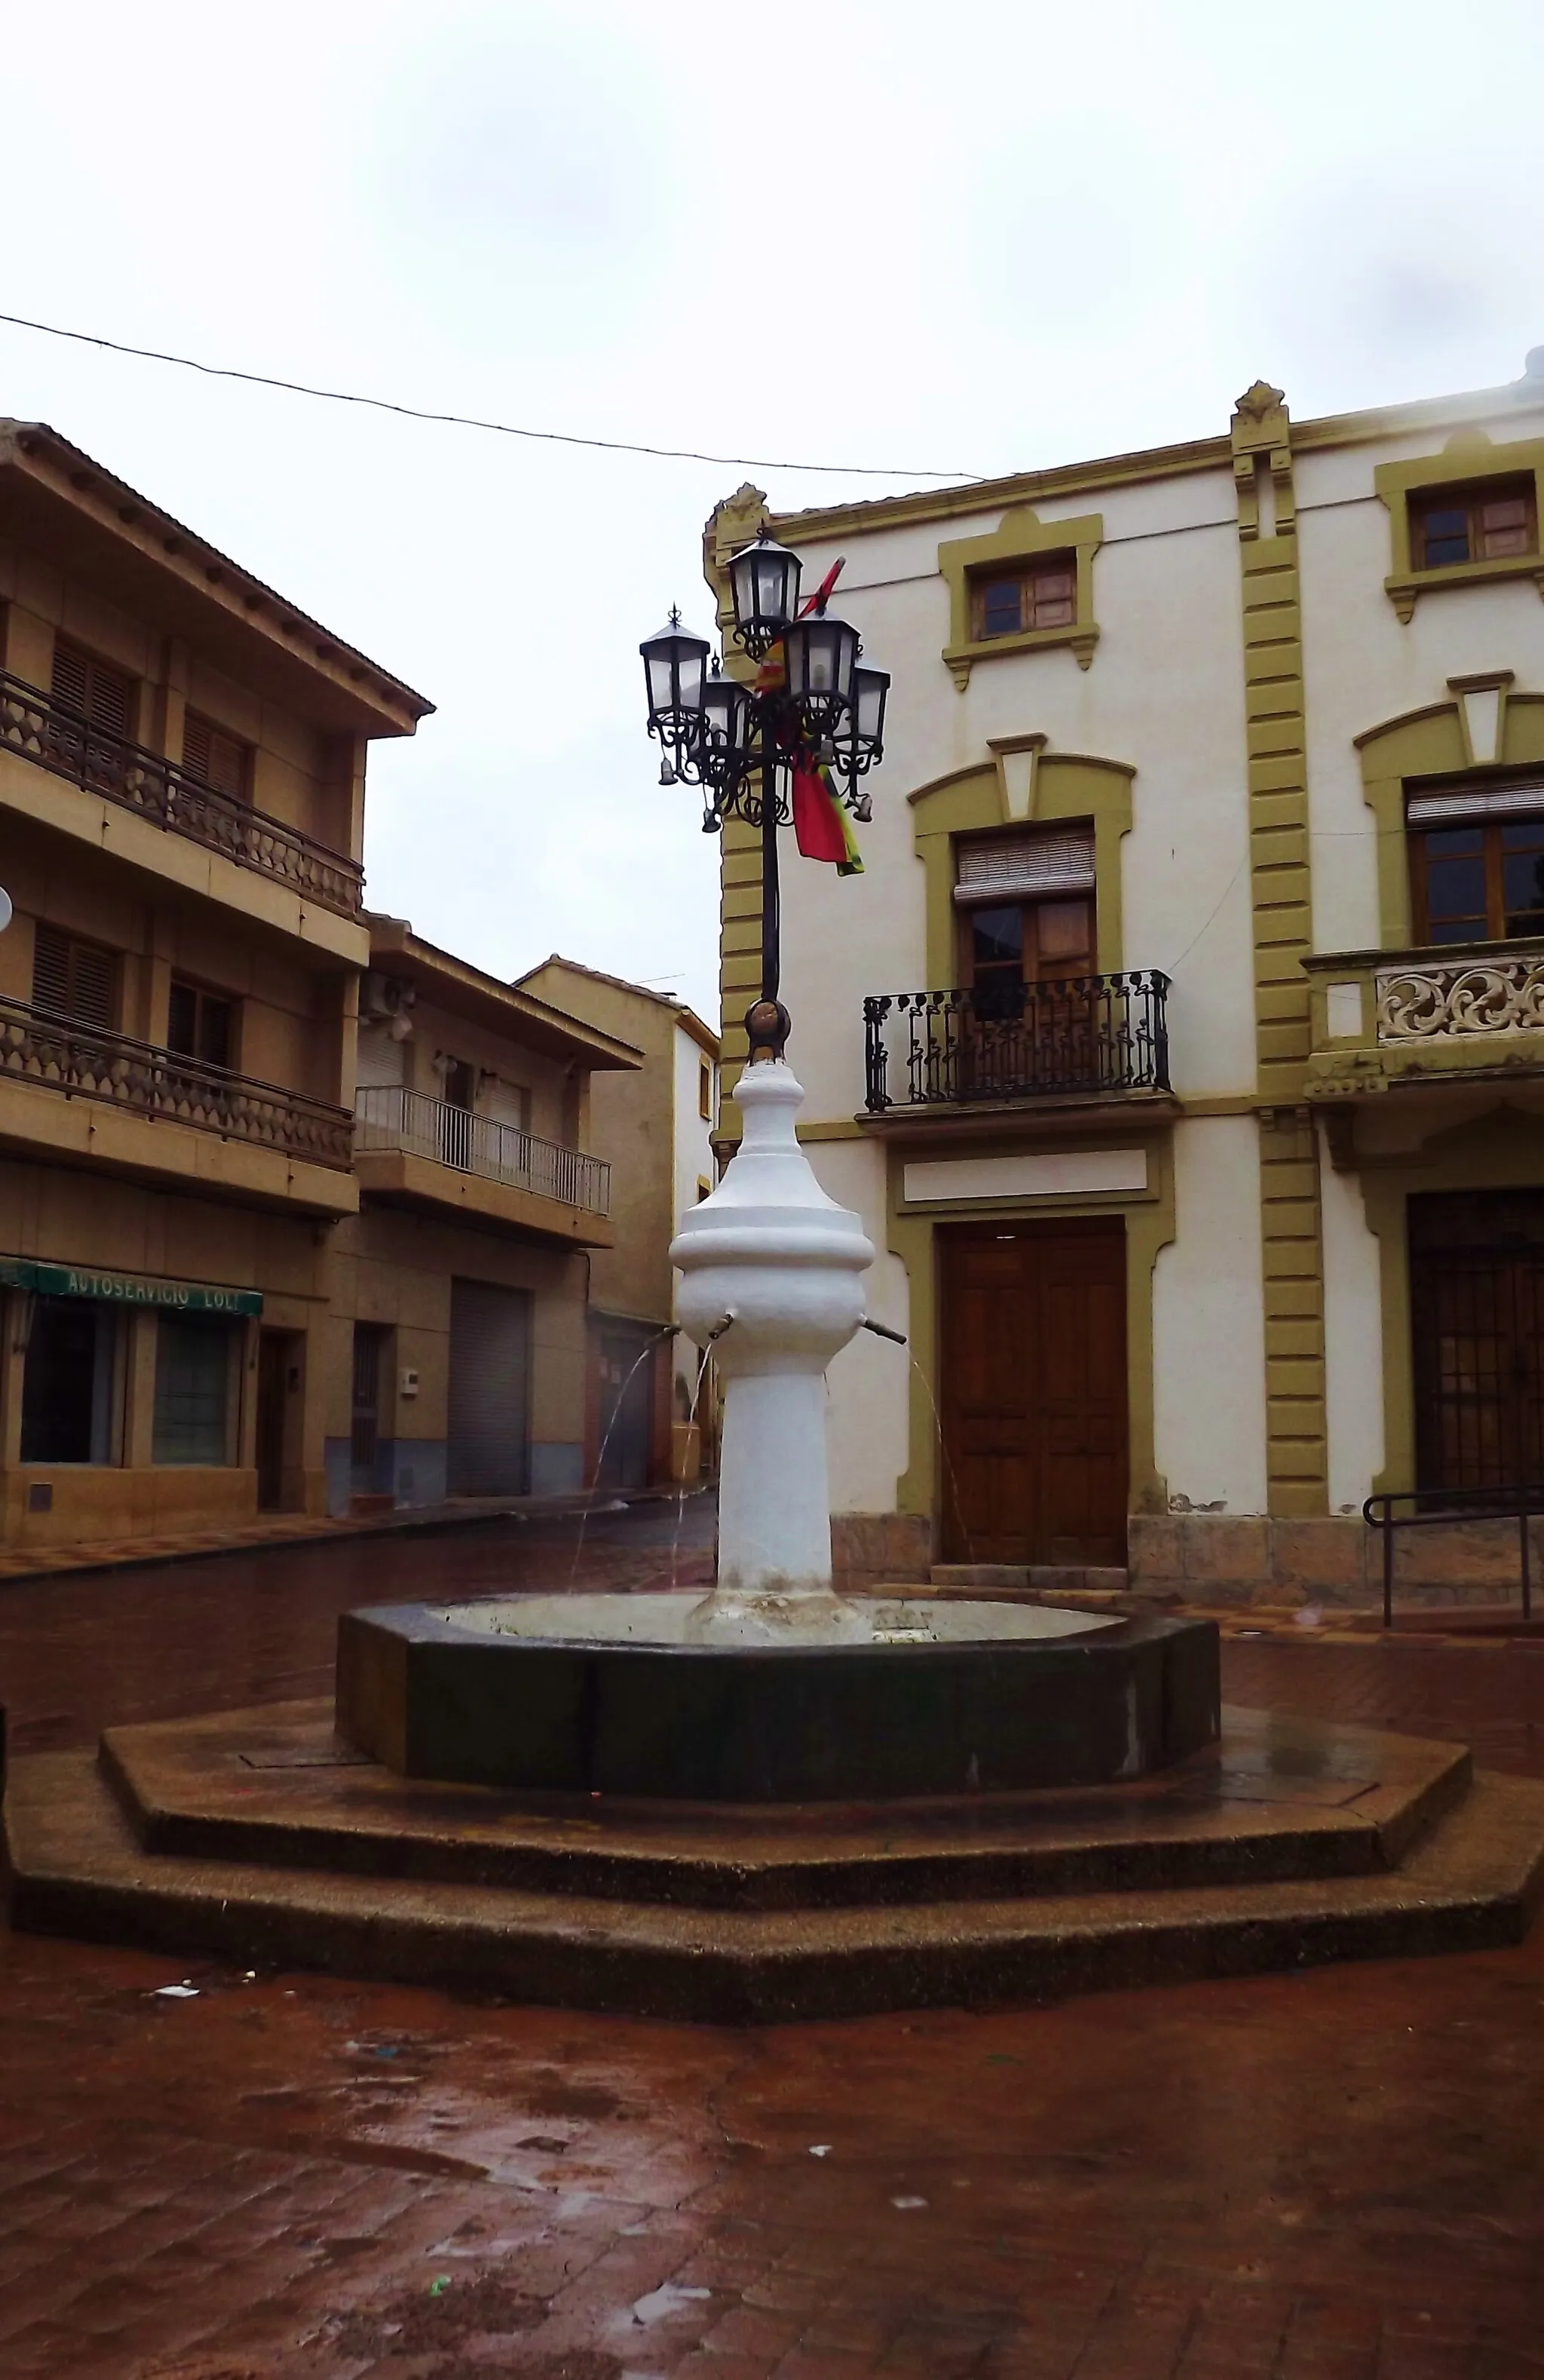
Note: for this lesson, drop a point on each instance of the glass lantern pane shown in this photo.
(690, 682)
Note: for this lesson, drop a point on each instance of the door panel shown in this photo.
(487, 1450)
(1477, 1311)
(1034, 1392)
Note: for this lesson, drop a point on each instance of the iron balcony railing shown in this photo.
(40, 729)
(58, 1055)
(1015, 1041)
(420, 1126)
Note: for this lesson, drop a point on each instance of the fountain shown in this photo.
(774, 1687)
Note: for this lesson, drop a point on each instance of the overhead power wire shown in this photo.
(470, 421)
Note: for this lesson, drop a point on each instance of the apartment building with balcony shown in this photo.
(1182, 1045)
(458, 1293)
(647, 1421)
(182, 767)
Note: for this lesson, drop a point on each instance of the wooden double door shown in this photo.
(1033, 1391)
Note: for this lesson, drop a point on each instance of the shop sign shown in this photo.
(125, 1289)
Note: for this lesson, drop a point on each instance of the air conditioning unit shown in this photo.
(384, 995)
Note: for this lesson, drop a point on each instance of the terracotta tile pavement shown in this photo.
(1338, 2174)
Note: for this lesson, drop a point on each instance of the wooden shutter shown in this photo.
(50, 971)
(99, 694)
(74, 979)
(212, 756)
(1022, 867)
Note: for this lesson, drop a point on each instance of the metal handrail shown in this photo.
(59, 1054)
(1012, 1041)
(60, 740)
(1451, 1504)
(390, 1116)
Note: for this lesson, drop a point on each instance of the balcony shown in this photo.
(417, 1151)
(69, 1091)
(1085, 1049)
(156, 790)
(1384, 1020)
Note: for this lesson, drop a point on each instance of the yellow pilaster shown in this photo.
(1291, 1227)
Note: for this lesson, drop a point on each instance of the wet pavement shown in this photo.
(289, 2178)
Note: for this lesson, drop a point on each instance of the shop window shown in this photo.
(201, 1024)
(101, 696)
(214, 757)
(68, 1383)
(1477, 864)
(1488, 523)
(1042, 594)
(72, 978)
(192, 1389)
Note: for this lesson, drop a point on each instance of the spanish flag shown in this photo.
(821, 826)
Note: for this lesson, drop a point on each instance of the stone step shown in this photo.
(1279, 1798)
(76, 1869)
(1036, 1578)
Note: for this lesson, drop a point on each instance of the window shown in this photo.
(201, 1024)
(704, 1188)
(1488, 522)
(68, 1382)
(214, 757)
(98, 695)
(1477, 863)
(1043, 594)
(1026, 907)
(705, 1090)
(75, 980)
(192, 1389)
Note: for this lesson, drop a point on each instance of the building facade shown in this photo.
(647, 1418)
(456, 1296)
(182, 767)
(1182, 1045)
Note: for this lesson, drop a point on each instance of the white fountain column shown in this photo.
(781, 1265)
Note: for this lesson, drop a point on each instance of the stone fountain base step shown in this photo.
(258, 1837)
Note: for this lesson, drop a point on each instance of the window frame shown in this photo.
(1493, 855)
(202, 992)
(1062, 564)
(1469, 466)
(1470, 498)
(1019, 544)
(95, 668)
(206, 782)
(74, 944)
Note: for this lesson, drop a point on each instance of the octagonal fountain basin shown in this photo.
(608, 1694)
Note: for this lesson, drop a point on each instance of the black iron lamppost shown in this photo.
(809, 706)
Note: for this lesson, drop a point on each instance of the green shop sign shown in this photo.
(125, 1289)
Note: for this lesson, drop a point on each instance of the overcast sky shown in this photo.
(972, 240)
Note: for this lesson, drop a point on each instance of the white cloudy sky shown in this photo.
(977, 239)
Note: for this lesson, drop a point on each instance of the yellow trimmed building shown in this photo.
(1182, 1044)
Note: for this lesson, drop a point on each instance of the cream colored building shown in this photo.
(256, 1252)
(182, 769)
(457, 1320)
(657, 1129)
(1182, 1045)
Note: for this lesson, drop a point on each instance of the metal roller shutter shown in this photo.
(489, 1405)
